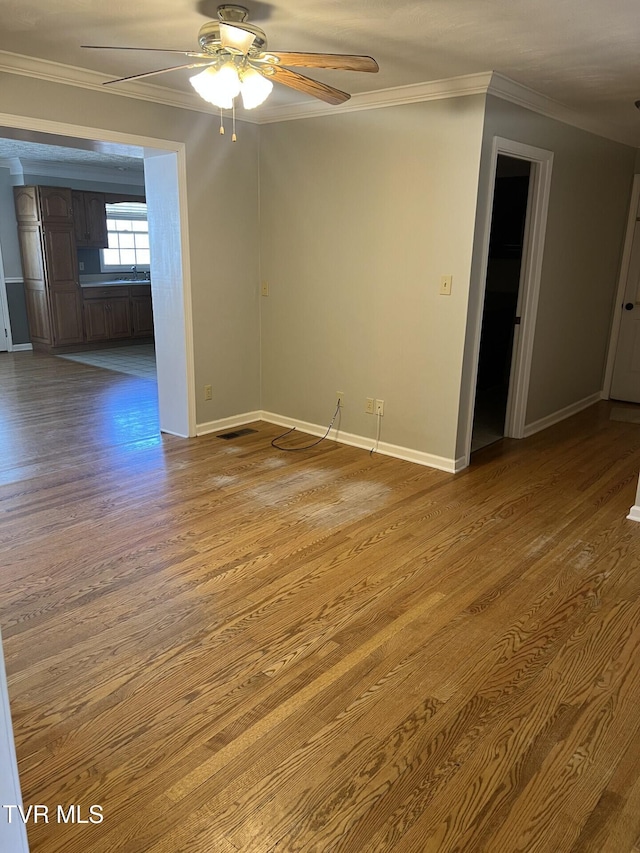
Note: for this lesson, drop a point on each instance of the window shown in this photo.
(128, 233)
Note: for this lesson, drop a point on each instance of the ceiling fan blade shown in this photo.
(154, 49)
(158, 71)
(338, 61)
(304, 84)
(236, 38)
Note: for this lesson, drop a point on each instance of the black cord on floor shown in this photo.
(374, 449)
(306, 446)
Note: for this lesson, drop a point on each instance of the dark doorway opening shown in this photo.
(499, 317)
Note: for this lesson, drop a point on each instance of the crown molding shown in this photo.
(453, 87)
(489, 82)
(508, 90)
(13, 164)
(71, 75)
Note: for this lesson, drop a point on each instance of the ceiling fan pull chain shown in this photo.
(221, 124)
(234, 138)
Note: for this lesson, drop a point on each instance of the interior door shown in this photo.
(625, 384)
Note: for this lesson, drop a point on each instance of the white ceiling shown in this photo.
(581, 53)
(20, 145)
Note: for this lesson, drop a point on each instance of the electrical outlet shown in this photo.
(208, 392)
(445, 285)
(340, 398)
(265, 288)
(379, 407)
(369, 406)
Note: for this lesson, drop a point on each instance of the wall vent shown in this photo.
(236, 433)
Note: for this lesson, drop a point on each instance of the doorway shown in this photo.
(165, 183)
(501, 300)
(541, 167)
(622, 378)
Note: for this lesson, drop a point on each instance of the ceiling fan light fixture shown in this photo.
(233, 54)
(255, 88)
(218, 86)
(236, 39)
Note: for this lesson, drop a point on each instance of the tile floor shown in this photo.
(139, 360)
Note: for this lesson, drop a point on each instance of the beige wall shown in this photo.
(590, 192)
(360, 216)
(222, 200)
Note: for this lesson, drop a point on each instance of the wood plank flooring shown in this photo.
(230, 648)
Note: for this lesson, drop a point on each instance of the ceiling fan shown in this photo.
(236, 61)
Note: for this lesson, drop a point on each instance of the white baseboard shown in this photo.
(21, 347)
(13, 836)
(228, 423)
(451, 466)
(634, 513)
(365, 443)
(561, 414)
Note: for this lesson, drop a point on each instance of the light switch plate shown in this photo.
(445, 285)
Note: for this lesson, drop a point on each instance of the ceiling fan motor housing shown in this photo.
(232, 14)
(209, 35)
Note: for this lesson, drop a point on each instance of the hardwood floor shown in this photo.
(230, 648)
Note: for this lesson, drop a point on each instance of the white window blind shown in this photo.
(127, 210)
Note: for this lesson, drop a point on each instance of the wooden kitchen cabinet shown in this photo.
(141, 311)
(107, 313)
(63, 316)
(50, 266)
(35, 286)
(117, 312)
(37, 204)
(90, 219)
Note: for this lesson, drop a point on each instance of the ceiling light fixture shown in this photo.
(221, 83)
(254, 87)
(218, 85)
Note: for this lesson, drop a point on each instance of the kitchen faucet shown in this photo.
(146, 274)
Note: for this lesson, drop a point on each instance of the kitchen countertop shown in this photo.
(114, 283)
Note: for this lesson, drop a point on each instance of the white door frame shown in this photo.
(530, 274)
(622, 285)
(175, 325)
